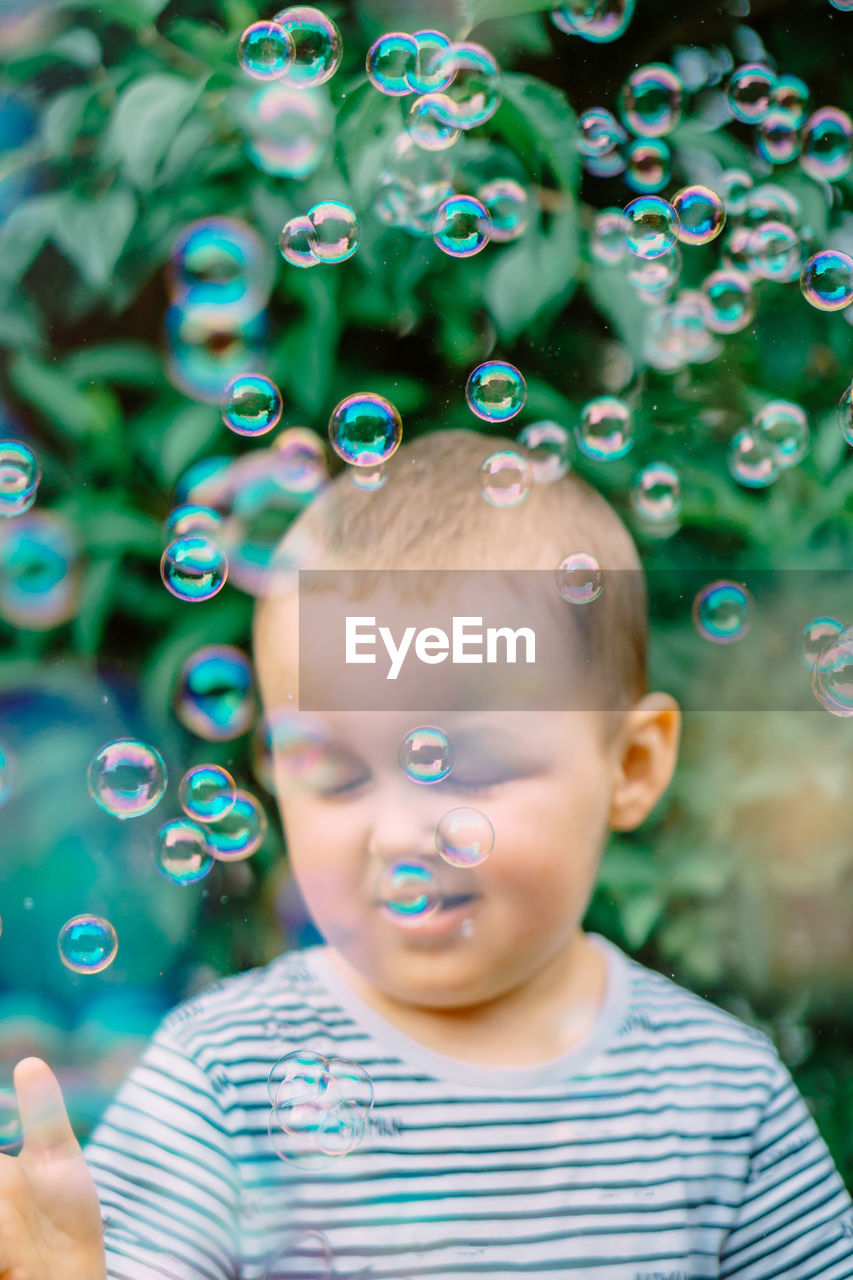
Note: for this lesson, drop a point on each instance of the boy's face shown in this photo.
(351, 813)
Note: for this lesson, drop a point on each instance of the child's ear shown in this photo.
(645, 754)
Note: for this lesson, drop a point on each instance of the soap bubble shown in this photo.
(194, 568)
(336, 230)
(815, 637)
(792, 94)
(126, 777)
(654, 277)
(832, 675)
(240, 833)
(10, 1121)
(650, 226)
(412, 187)
(461, 226)
(464, 837)
(735, 186)
(677, 333)
(701, 215)
(508, 206)
(650, 100)
(751, 92)
(770, 202)
(547, 446)
(721, 611)
(87, 944)
(648, 163)
(598, 21)
(579, 578)
(300, 461)
(297, 242)
(221, 266)
(426, 128)
(496, 391)
(391, 62)
(607, 165)
(786, 428)
(265, 50)
(288, 130)
(429, 76)
(368, 478)
(599, 132)
(827, 145)
(39, 571)
(365, 429)
(752, 459)
(736, 254)
(606, 429)
(504, 478)
(845, 413)
(19, 477)
(827, 280)
(192, 517)
(408, 892)
(253, 405)
(777, 138)
(426, 754)
(207, 792)
(775, 252)
(318, 47)
(214, 696)
(472, 94)
(181, 853)
(731, 304)
(608, 236)
(656, 495)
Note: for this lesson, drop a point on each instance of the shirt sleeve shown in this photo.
(168, 1185)
(795, 1221)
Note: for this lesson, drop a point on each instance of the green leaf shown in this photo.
(92, 233)
(191, 430)
(95, 603)
(24, 232)
(540, 269)
(127, 364)
(62, 120)
(132, 13)
(55, 395)
(538, 115)
(145, 121)
(472, 12)
(639, 915)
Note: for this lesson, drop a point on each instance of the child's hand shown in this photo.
(50, 1219)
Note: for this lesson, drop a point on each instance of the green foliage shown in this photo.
(144, 125)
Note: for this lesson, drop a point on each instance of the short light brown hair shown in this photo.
(430, 514)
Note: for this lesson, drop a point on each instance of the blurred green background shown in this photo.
(125, 121)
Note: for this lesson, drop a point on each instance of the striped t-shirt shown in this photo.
(671, 1144)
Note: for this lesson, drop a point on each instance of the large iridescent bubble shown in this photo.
(827, 280)
(214, 696)
(365, 429)
(318, 47)
(827, 145)
(650, 100)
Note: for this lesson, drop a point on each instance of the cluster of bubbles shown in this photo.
(87, 944)
(496, 391)
(327, 233)
(365, 429)
(722, 611)
(778, 437)
(319, 1107)
(253, 499)
(220, 279)
(300, 45)
(494, 202)
(579, 578)
(20, 474)
(456, 86)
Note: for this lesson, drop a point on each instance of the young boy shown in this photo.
(462, 1083)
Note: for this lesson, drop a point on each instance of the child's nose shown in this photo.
(404, 821)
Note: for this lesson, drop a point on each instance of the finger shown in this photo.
(44, 1120)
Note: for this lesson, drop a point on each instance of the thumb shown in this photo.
(44, 1120)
